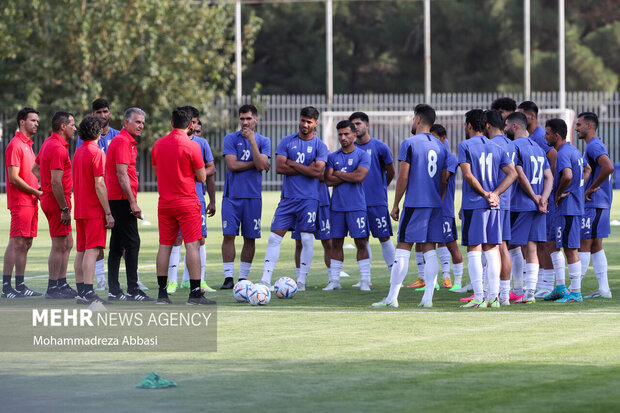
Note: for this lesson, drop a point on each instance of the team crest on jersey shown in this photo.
(369, 151)
(350, 161)
(309, 149)
(224, 224)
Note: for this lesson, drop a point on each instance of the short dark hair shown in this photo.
(494, 118)
(59, 119)
(181, 117)
(476, 119)
(195, 113)
(90, 128)
(529, 107)
(359, 115)
(343, 124)
(504, 103)
(248, 108)
(23, 114)
(100, 104)
(426, 113)
(589, 117)
(557, 126)
(518, 118)
(439, 129)
(309, 112)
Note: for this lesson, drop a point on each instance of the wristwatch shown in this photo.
(65, 209)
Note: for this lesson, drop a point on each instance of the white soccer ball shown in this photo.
(240, 292)
(259, 295)
(285, 287)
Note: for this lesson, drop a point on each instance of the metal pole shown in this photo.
(238, 41)
(527, 75)
(561, 53)
(329, 51)
(427, 51)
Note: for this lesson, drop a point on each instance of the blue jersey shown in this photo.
(348, 196)
(603, 197)
(324, 197)
(103, 142)
(375, 184)
(538, 136)
(207, 156)
(447, 205)
(570, 157)
(486, 160)
(427, 157)
(532, 159)
(304, 152)
(248, 183)
(507, 145)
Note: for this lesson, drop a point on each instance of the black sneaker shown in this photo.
(229, 283)
(12, 293)
(27, 291)
(119, 296)
(90, 298)
(68, 291)
(56, 294)
(138, 295)
(200, 300)
(163, 300)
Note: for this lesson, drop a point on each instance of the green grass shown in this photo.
(330, 351)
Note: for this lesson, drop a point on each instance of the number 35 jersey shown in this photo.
(244, 184)
(427, 157)
(486, 160)
(304, 152)
(529, 156)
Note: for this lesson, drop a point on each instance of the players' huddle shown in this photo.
(527, 193)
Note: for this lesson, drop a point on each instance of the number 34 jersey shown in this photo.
(427, 157)
(486, 160)
(244, 184)
(529, 156)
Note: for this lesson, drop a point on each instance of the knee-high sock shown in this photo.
(419, 260)
(559, 262)
(229, 269)
(431, 268)
(364, 266)
(548, 279)
(599, 263)
(100, 270)
(444, 259)
(493, 270)
(244, 270)
(399, 271)
(369, 250)
(388, 250)
(516, 270)
(474, 266)
(458, 273)
(271, 256)
(335, 268)
(584, 258)
(531, 276)
(485, 280)
(574, 273)
(173, 265)
(307, 253)
(504, 289)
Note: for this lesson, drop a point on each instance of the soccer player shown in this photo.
(178, 164)
(247, 155)
(53, 165)
(301, 159)
(505, 106)
(598, 195)
(375, 186)
(528, 207)
(422, 175)
(569, 200)
(22, 197)
(92, 211)
(122, 182)
(481, 162)
(346, 170)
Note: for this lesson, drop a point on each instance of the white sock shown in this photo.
(431, 268)
(516, 270)
(599, 263)
(297, 273)
(539, 284)
(369, 250)
(229, 269)
(185, 270)
(531, 276)
(444, 259)
(548, 279)
(584, 258)
(336, 267)
(399, 272)
(419, 260)
(493, 270)
(364, 266)
(271, 256)
(504, 289)
(558, 267)
(474, 266)
(485, 280)
(574, 273)
(458, 273)
(100, 270)
(173, 265)
(307, 253)
(387, 247)
(244, 270)
(203, 261)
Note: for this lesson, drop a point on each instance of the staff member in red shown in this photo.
(22, 195)
(92, 211)
(178, 164)
(53, 165)
(121, 179)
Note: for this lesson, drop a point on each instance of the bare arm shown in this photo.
(282, 167)
(102, 194)
(211, 192)
(259, 161)
(356, 176)
(314, 170)
(565, 179)
(36, 171)
(389, 173)
(19, 183)
(125, 184)
(235, 165)
(547, 187)
(552, 155)
(401, 186)
(607, 169)
(332, 180)
(59, 195)
(587, 170)
(200, 174)
(524, 182)
(445, 175)
(492, 198)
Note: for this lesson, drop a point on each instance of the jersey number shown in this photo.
(246, 155)
(486, 159)
(381, 222)
(581, 169)
(537, 164)
(585, 223)
(301, 157)
(432, 163)
(311, 216)
(361, 222)
(257, 224)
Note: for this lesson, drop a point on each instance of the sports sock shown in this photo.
(369, 249)
(431, 268)
(584, 258)
(539, 284)
(504, 289)
(61, 282)
(493, 270)
(80, 288)
(548, 279)
(388, 250)
(559, 262)
(173, 265)
(574, 273)
(297, 273)
(194, 288)
(185, 269)
(52, 284)
(307, 253)
(244, 270)
(229, 269)
(444, 259)
(162, 282)
(6, 283)
(100, 270)
(336, 267)
(458, 273)
(19, 282)
(203, 261)
(599, 263)
(474, 266)
(419, 260)
(516, 270)
(485, 280)
(271, 256)
(88, 289)
(531, 276)
(399, 272)
(364, 266)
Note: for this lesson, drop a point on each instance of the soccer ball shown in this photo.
(259, 295)
(240, 292)
(285, 287)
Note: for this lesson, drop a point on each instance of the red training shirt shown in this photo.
(54, 154)
(19, 153)
(88, 163)
(176, 157)
(122, 149)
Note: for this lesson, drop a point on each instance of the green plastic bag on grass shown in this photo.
(154, 381)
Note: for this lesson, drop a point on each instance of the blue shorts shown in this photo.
(595, 223)
(351, 222)
(567, 231)
(244, 213)
(420, 225)
(551, 220)
(379, 221)
(203, 217)
(505, 224)
(448, 228)
(527, 226)
(322, 231)
(295, 213)
(482, 226)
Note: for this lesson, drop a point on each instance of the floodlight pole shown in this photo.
(527, 75)
(561, 53)
(238, 50)
(427, 51)
(329, 51)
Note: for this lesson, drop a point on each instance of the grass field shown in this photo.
(330, 351)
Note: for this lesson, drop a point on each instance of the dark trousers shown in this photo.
(125, 238)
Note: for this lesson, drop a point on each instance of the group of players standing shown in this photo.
(524, 191)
